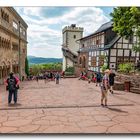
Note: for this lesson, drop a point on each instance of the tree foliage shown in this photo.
(40, 68)
(126, 23)
(126, 67)
(26, 66)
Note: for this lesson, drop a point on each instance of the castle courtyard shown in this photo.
(73, 106)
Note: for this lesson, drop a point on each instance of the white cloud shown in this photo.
(44, 39)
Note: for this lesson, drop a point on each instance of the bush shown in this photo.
(104, 67)
(68, 73)
(70, 70)
(126, 67)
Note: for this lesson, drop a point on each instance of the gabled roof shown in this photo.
(102, 28)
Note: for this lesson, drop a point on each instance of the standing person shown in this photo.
(81, 75)
(12, 85)
(57, 77)
(63, 74)
(98, 78)
(37, 78)
(111, 80)
(45, 78)
(105, 87)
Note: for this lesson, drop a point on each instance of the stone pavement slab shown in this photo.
(73, 106)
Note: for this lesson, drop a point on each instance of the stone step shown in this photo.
(135, 90)
(118, 86)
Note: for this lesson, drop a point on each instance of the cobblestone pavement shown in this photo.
(73, 106)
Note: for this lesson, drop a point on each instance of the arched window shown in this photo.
(80, 60)
(84, 62)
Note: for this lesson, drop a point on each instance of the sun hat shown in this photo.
(107, 71)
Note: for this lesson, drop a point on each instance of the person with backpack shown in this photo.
(12, 85)
(104, 87)
(57, 77)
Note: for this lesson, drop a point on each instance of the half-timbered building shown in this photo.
(105, 47)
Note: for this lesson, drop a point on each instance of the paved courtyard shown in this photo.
(73, 106)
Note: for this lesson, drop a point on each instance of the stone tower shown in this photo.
(70, 47)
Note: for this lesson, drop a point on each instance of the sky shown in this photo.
(45, 26)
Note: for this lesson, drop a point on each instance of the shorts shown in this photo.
(104, 93)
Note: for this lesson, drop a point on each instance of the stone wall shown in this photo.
(134, 79)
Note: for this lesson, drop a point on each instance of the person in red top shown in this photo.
(12, 85)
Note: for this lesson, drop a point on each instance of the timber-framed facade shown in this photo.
(105, 47)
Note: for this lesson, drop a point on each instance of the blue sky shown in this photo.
(45, 26)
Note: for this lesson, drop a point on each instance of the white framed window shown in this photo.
(15, 25)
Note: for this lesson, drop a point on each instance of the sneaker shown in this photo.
(102, 104)
(106, 105)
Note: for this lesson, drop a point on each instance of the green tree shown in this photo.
(26, 66)
(126, 23)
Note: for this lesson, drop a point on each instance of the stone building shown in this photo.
(13, 43)
(70, 46)
(105, 47)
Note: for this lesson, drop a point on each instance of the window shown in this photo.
(21, 30)
(80, 60)
(24, 33)
(74, 36)
(15, 25)
(4, 15)
(83, 45)
(23, 50)
(131, 39)
(97, 42)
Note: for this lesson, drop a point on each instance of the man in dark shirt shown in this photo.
(111, 80)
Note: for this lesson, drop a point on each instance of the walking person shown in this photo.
(57, 77)
(104, 88)
(111, 80)
(98, 78)
(12, 85)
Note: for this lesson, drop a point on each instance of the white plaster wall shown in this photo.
(112, 59)
(113, 52)
(72, 45)
(69, 63)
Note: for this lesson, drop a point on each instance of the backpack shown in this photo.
(11, 84)
(57, 76)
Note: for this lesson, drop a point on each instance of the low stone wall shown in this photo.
(134, 79)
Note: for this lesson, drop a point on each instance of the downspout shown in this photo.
(19, 54)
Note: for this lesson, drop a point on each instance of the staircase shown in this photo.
(69, 54)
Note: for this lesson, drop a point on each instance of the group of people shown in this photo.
(104, 80)
(12, 83)
(49, 76)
